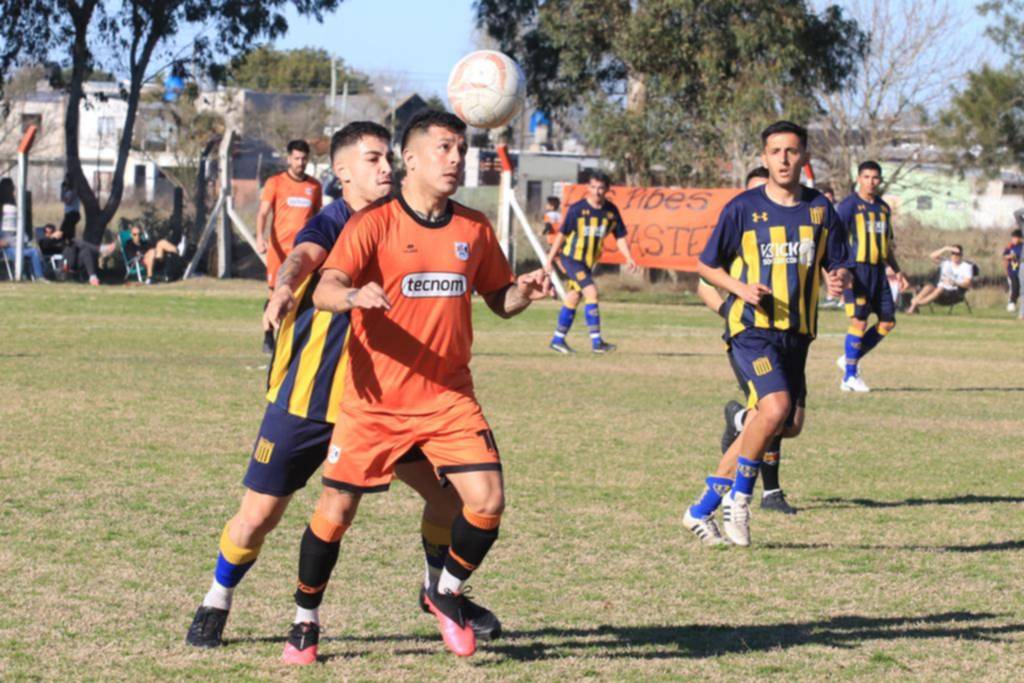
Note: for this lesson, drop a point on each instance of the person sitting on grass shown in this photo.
(955, 276)
(151, 253)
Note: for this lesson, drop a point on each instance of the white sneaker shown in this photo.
(706, 530)
(1010, 308)
(736, 518)
(856, 384)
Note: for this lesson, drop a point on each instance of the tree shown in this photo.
(305, 70)
(983, 127)
(672, 90)
(125, 37)
(905, 77)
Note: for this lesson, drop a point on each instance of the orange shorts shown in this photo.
(366, 446)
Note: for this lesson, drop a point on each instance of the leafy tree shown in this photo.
(671, 88)
(304, 70)
(983, 127)
(125, 37)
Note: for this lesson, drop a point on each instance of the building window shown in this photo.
(924, 203)
(28, 120)
(106, 126)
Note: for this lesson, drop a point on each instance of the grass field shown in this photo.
(128, 414)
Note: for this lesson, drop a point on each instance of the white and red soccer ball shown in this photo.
(486, 89)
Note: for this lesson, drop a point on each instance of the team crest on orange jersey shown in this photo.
(462, 251)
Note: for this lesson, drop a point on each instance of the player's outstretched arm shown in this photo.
(515, 297)
(304, 259)
(336, 294)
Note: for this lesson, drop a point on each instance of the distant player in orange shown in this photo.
(290, 199)
(405, 268)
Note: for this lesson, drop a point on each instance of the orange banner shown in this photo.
(667, 226)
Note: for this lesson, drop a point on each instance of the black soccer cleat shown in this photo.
(484, 623)
(560, 347)
(207, 627)
(775, 501)
(730, 433)
(603, 347)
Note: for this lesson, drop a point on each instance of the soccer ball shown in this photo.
(486, 89)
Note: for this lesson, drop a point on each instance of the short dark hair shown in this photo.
(422, 122)
(784, 127)
(1017, 232)
(759, 172)
(825, 189)
(356, 131)
(300, 145)
(869, 166)
(600, 176)
(960, 248)
(51, 226)
(556, 202)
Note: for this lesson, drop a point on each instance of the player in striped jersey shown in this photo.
(305, 379)
(578, 247)
(768, 250)
(868, 221)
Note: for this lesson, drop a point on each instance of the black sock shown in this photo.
(770, 465)
(317, 558)
(470, 545)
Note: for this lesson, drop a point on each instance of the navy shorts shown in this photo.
(772, 361)
(287, 452)
(577, 273)
(871, 294)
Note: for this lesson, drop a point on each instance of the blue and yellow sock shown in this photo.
(854, 346)
(232, 564)
(593, 316)
(746, 476)
(711, 498)
(565, 318)
(871, 339)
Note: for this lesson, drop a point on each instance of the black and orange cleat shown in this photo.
(302, 644)
(449, 609)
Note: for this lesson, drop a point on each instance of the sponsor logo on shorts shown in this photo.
(299, 202)
(429, 285)
(762, 366)
(462, 251)
(264, 451)
(580, 275)
(333, 453)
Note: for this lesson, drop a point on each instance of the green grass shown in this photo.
(128, 414)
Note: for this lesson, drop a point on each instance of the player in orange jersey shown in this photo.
(289, 199)
(405, 268)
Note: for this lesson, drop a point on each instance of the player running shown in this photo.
(578, 246)
(868, 222)
(289, 199)
(773, 498)
(305, 381)
(774, 240)
(406, 267)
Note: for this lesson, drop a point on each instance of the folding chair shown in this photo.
(961, 294)
(56, 261)
(132, 266)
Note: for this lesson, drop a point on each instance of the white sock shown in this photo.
(767, 492)
(302, 615)
(218, 596)
(430, 575)
(737, 420)
(449, 584)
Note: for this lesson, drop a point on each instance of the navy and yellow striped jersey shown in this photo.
(307, 372)
(782, 247)
(869, 226)
(585, 228)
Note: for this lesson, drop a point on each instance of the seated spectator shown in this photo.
(955, 276)
(552, 217)
(53, 241)
(8, 241)
(151, 253)
(85, 255)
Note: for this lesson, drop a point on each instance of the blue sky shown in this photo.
(418, 40)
